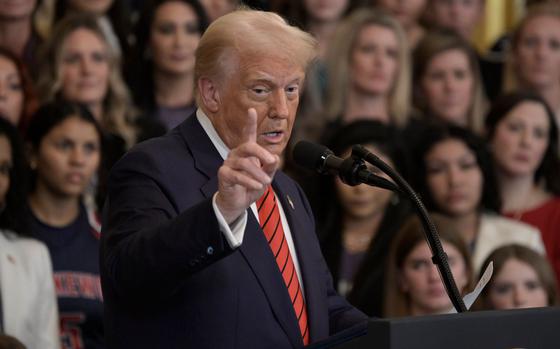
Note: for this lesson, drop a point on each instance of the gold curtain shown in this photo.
(500, 16)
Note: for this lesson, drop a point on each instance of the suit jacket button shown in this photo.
(210, 250)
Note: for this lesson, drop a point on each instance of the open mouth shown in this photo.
(273, 134)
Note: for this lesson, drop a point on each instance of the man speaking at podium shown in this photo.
(205, 244)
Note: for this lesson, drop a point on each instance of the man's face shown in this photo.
(461, 16)
(269, 84)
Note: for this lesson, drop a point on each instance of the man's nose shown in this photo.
(3, 89)
(279, 107)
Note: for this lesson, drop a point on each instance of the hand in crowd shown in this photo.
(246, 172)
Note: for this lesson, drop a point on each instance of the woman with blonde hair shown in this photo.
(368, 72)
(412, 282)
(446, 80)
(320, 19)
(533, 62)
(79, 65)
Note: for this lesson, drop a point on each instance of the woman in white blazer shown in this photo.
(28, 301)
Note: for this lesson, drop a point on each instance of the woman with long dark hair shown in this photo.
(357, 224)
(28, 309)
(65, 145)
(455, 177)
(162, 78)
(523, 135)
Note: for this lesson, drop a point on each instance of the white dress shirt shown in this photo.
(234, 233)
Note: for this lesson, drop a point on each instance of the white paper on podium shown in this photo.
(471, 297)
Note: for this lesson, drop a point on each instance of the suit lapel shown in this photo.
(10, 279)
(254, 248)
(315, 292)
(257, 253)
(206, 157)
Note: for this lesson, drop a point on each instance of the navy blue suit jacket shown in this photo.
(169, 277)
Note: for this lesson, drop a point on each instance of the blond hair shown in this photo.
(338, 65)
(117, 106)
(245, 33)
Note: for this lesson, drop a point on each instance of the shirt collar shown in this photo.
(212, 133)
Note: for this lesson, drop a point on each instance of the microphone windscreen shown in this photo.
(310, 155)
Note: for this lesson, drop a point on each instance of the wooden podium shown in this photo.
(524, 328)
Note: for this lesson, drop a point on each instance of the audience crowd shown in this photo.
(81, 82)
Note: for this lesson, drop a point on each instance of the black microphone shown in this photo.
(316, 157)
(351, 171)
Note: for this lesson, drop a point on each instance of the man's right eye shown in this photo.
(259, 90)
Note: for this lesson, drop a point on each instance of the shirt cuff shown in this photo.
(233, 233)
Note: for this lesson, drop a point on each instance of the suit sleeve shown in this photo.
(148, 248)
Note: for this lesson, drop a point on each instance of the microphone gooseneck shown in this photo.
(439, 257)
(353, 171)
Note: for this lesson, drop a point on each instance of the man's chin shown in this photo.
(276, 149)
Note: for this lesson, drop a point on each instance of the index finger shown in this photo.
(250, 129)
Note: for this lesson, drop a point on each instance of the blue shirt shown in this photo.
(74, 252)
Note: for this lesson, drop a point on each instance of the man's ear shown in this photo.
(209, 94)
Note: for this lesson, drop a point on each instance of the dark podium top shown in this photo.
(522, 328)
